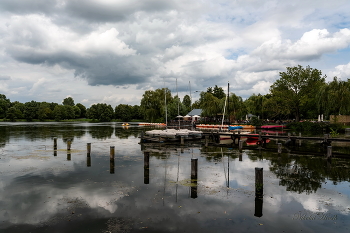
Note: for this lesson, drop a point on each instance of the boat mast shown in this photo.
(223, 115)
(178, 105)
(228, 103)
(166, 109)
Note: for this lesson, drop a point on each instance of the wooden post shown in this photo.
(68, 156)
(111, 153)
(55, 143)
(88, 161)
(240, 145)
(259, 183)
(88, 149)
(182, 140)
(55, 153)
(240, 157)
(258, 207)
(206, 140)
(146, 168)
(69, 143)
(279, 148)
(194, 177)
(111, 166)
(329, 152)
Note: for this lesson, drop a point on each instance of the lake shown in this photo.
(47, 190)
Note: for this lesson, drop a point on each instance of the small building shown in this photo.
(194, 115)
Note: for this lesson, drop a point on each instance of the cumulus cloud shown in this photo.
(138, 44)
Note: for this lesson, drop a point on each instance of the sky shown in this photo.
(112, 51)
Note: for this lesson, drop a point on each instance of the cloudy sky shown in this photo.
(112, 51)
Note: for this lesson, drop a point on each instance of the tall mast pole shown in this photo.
(228, 103)
(166, 109)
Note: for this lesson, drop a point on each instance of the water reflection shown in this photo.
(155, 188)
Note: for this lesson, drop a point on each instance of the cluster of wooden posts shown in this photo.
(259, 185)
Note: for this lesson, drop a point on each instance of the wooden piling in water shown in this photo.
(182, 140)
(240, 146)
(194, 177)
(206, 140)
(55, 143)
(88, 161)
(88, 149)
(258, 207)
(279, 149)
(146, 168)
(259, 182)
(111, 166)
(111, 153)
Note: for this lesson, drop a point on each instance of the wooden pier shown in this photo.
(261, 138)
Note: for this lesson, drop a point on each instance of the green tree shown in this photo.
(153, 104)
(69, 111)
(68, 101)
(136, 112)
(77, 111)
(59, 113)
(334, 97)
(218, 92)
(14, 113)
(296, 88)
(236, 107)
(44, 111)
(186, 102)
(31, 110)
(4, 105)
(123, 112)
(211, 106)
(100, 112)
(82, 110)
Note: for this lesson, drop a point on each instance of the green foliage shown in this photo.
(100, 112)
(153, 104)
(82, 110)
(68, 101)
(14, 113)
(255, 121)
(314, 127)
(124, 112)
(4, 105)
(295, 91)
(31, 110)
(44, 111)
(218, 92)
(334, 97)
(59, 113)
(186, 103)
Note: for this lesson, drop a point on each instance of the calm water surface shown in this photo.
(43, 190)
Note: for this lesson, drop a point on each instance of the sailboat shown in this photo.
(227, 139)
(174, 134)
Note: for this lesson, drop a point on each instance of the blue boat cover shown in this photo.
(235, 127)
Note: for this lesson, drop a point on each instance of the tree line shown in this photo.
(299, 93)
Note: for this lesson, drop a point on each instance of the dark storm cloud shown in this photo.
(28, 7)
(97, 70)
(119, 10)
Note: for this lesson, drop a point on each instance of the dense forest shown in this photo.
(299, 93)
